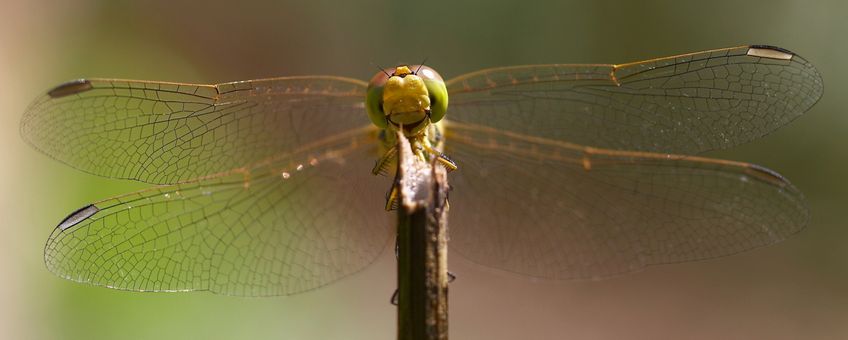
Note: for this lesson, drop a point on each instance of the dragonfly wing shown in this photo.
(550, 209)
(293, 223)
(682, 104)
(166, 133)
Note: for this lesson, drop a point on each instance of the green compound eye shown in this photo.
(438, 92)
(374, 104)
(438, 99)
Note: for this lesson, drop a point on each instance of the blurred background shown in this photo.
(795, 289)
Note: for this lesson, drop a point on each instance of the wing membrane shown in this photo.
(550, 209)
(683, 104)
(291, 223)
(166, 133)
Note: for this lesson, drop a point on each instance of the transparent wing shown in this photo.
(292, 223)
(166, 133)
(551, 209)
(683, 104)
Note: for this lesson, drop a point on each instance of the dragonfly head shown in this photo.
(402, 98)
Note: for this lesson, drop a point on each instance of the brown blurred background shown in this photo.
(794, 290)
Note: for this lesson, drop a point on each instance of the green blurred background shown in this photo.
(796, 289)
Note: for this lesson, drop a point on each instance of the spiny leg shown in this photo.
(443, 159)
(392, 198)
(382, 165)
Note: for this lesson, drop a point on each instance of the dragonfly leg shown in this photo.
(394, 299)
(443, 159)
(392, 195)
(383, 163)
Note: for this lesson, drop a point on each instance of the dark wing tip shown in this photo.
(767, 175)
(78, 216)
(773, 48)
(771, 52)
(69, 88)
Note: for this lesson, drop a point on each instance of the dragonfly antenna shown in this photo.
(420, 65)
(381, 69)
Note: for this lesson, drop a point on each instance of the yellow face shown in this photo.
(406, 100)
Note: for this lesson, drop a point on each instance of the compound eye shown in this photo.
(380, 79)
(374, 98)
(426, 73)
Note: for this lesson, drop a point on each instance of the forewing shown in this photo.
(682, 104)
(167, 133)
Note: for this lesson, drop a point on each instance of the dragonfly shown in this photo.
(565, 171)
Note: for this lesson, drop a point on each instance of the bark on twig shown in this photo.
(422, 248)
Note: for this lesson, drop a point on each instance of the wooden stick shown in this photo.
(422, 248)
